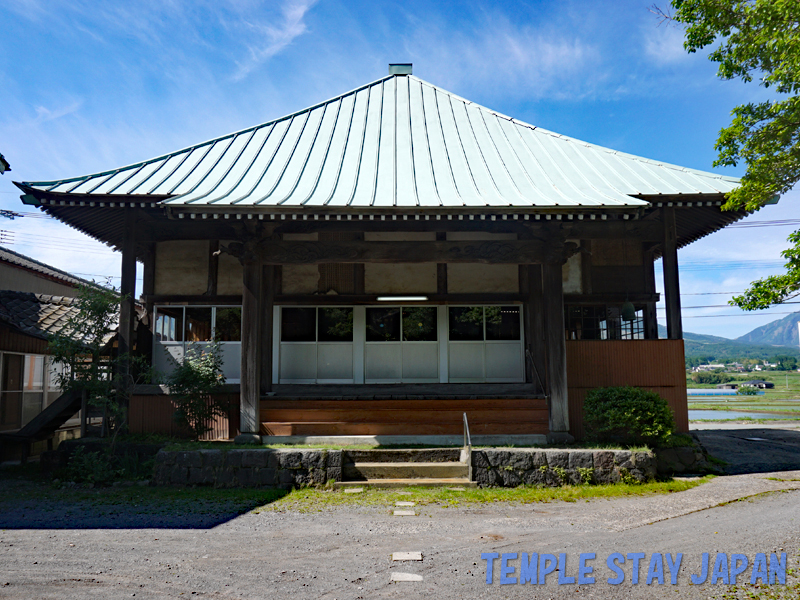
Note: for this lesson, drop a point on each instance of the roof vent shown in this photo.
(400, 69)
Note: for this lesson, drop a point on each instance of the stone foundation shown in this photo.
(285, 469)
(512, 467)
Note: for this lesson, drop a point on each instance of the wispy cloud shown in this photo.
(276, 38)
(511, 58)
(664, 44)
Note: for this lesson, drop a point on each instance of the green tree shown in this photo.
(756, 39)
(86, 362)
(192, 385)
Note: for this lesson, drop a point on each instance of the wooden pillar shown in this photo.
(672, 289)
(553, 296)
(266, 310)
(127, 310)
(650, 317)
(536, 363)
(250, 376)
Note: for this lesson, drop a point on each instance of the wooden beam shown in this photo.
(552, 287)
(672, 288)
(491, 252)
(610, 298)
(250, 376)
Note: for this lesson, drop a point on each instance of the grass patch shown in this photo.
(316, 500)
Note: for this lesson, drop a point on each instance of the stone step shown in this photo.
(409, 470)
(403, 455)
(402, 483)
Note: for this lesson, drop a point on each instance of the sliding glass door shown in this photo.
(402, 344)
(485, 344)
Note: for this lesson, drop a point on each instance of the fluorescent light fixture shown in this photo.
(402, 298)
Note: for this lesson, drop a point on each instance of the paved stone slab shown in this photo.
(406, 577)
(403, 493)
(353, 490)
(401, 503)
(406, 555)
(456, 489)
(405, 513)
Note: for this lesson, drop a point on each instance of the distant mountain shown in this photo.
(719, 349)
(695, 337)
(782, 332)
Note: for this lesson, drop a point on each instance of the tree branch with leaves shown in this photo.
(755, 40)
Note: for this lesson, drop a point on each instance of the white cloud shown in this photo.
(275, 38)
(664, 44)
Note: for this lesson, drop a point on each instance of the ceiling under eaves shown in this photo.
(397, 142)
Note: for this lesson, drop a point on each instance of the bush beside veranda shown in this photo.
(627, 415)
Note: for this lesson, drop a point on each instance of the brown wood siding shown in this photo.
(153, 414)
(308, 416)
(14, 341)
(657, 365)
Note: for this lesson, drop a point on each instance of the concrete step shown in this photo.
(405, 470)
(402, 483)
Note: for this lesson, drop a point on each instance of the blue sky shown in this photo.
(87, 86)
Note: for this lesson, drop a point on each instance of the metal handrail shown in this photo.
(467, 451)
(529, 358)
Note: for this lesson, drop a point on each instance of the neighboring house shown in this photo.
(24, 274)
(28, 381)
(759, 383)
(36, 300)
(381, 263)
(728, 386)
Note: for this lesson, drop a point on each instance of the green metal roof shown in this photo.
(398, 142)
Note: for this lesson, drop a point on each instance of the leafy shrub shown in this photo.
(627, 415)
(105, 467)
(747, 390)
(192, 385)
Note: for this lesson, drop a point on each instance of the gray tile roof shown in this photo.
(38, 315)
(398, 142)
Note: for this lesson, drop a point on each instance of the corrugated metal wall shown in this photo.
(657, 365)
(153, 414)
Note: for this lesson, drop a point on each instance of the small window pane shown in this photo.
(419, 324)
(228, 327)
(383, 324)
(12, 372)
(335, 325)
(299, 325)
(169, 324)
(34, 373)
(466, 323)
(502, 323)
(198, 324)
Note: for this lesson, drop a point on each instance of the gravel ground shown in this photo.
(91, 549)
